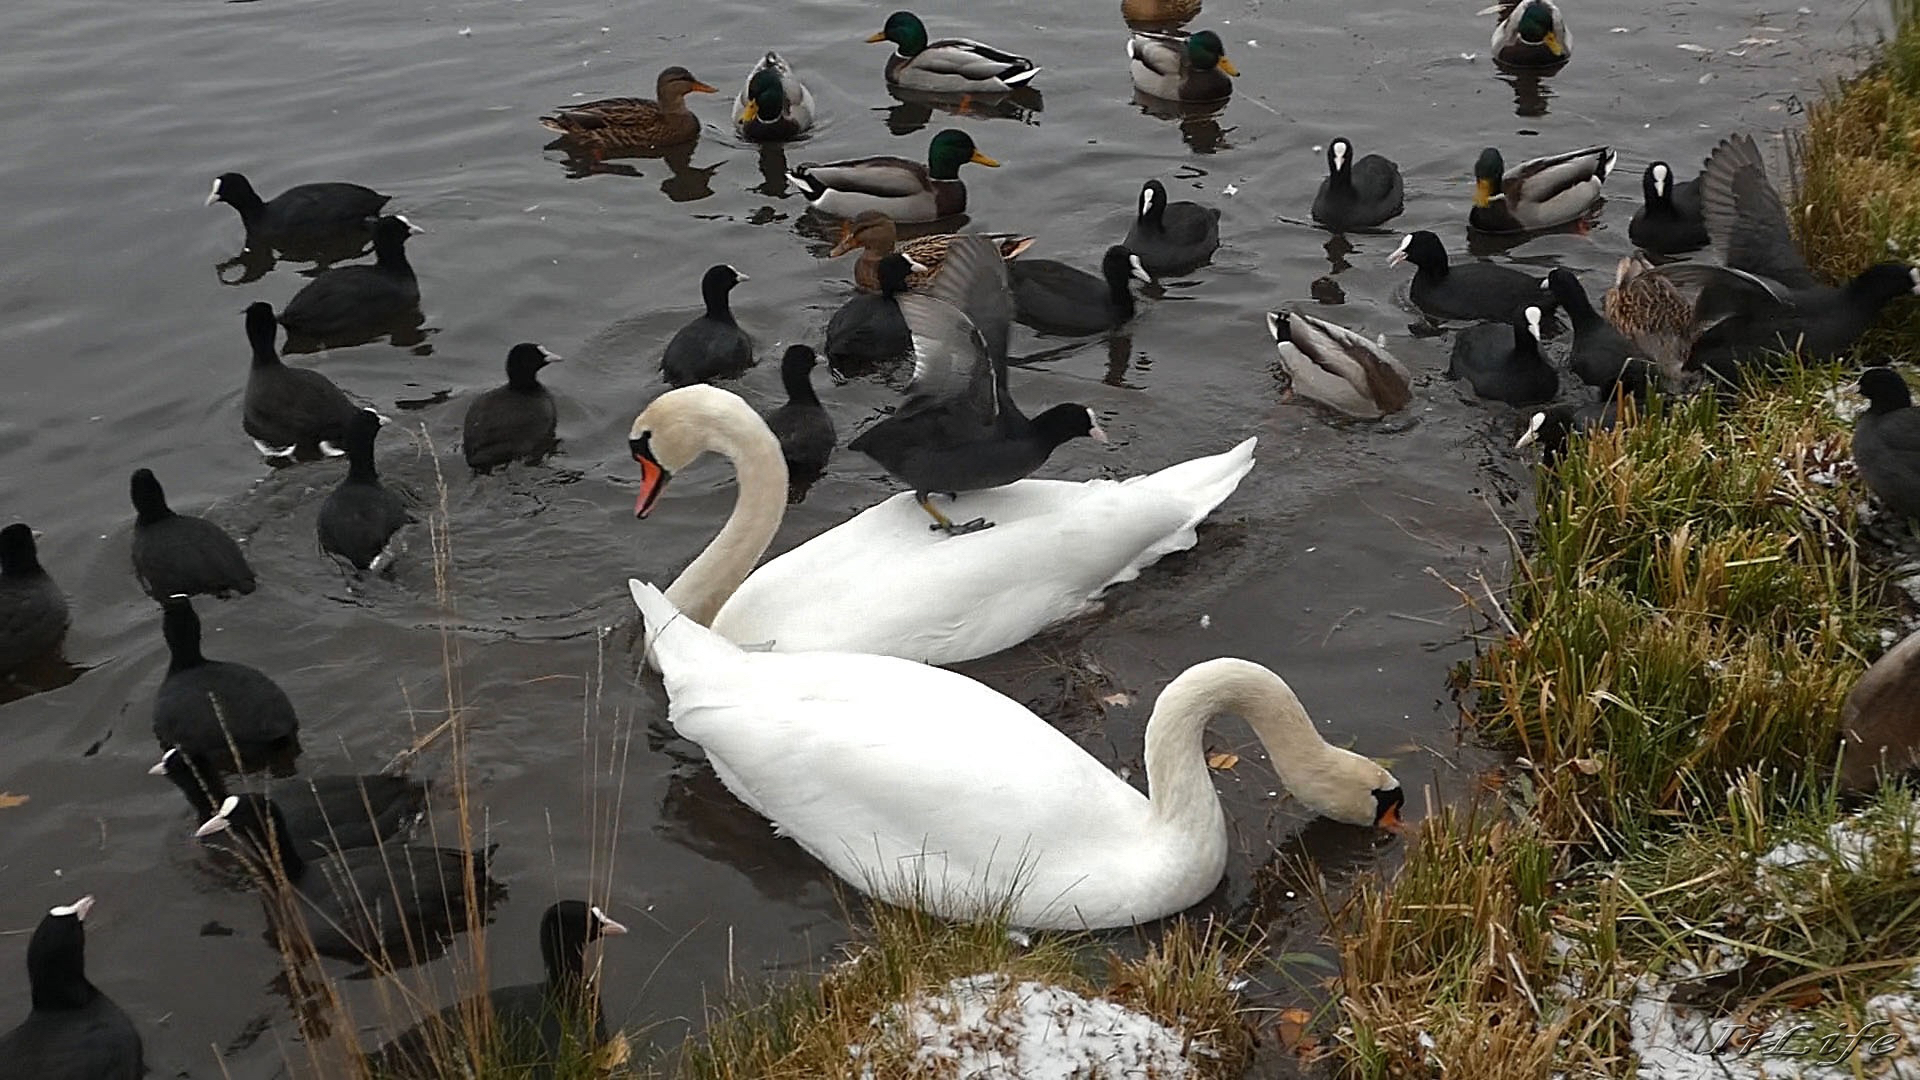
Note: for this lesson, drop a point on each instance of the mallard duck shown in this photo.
(1181, 67)
(951, 65)
(1529, 35)
(635, 122)
(1338, 368)
(1159, 11)
(874, 233)
(1670, 221)
(905, 191)
(1880, 721)
(774, 106)
(1357, 194)
(1537, 194)
(1655, 313)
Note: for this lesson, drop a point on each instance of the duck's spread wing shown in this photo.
(951, 366)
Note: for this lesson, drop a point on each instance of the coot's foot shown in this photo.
(974, 526)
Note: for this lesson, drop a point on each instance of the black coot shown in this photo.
(33, 610)
(360, 516)
(202, 703)
(1886, 442)
(1053, 296)
(289, 411)
(393, 903)
(1471, 290)
(515, 422)
(304, 217)
(322, 813)
(1357, 194)
(535, 1024)
(1503, 361)
(1601, 355)
(805, 431)
(1172, 238)
(352, 301)
(74, 1032)
(959, 429)
(1553, 427)
(1670, 219)
(712, 346)
(869, 331)
(179, 554)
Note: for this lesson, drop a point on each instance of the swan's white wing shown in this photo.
(884, 583)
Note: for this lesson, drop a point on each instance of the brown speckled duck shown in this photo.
(634, 122)
(1153, 12)
(874, 233)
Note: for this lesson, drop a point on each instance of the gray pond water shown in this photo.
(123, 348)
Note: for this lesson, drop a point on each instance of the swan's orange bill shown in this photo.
(653, 477)
(1390, 820)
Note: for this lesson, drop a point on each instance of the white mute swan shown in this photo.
(978, 802)
(883, 582)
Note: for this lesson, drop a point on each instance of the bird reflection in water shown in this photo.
(685, 181)
(1199, 123)
(1530, 95)
(916, 107)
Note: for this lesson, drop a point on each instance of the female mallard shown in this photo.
(873, 232)
(1159, 11)
(1658, 312)
(634, 122)
(774, 106)
(950, 65)
(1537, 194)
(1529, 35)
(905, 191)
(1338, 368)
(1176, 67)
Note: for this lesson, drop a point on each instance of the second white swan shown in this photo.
(883, 582)
(979, 806)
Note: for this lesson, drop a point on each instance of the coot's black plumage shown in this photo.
(1886, 442)
(202, 703)
(1670, 219)
(322, 813)
(301, 217)
(959, 429)
(392, 903)
(74, 1031)
(33, 610)
(179, 554)
(1503, 361)
(350, 300)
(289, 410)
(1053, 296)
(536, 1024)
(360, 516)
(868, 330)
(712, 346)
(1554, 426)
(1470, 290)
(1357, 194)
(515, 422)
(802, 425)
(1172, 238)
(1601, 355)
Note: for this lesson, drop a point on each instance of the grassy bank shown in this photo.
(1665, 869)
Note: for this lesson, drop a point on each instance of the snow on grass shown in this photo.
(1674, 1042)
(983, 1026)
(1849, 846)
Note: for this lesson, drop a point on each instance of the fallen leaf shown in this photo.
(1119, 700)
(1587, 766)
(8, 800)
(1806, 998)
(1291, 1028)
(1223, 760)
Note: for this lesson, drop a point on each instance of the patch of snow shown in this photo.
(1676, 1042)
(1848, 848)
(983, 1026)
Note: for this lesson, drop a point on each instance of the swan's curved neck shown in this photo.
(1178, 783)
(738, 434)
